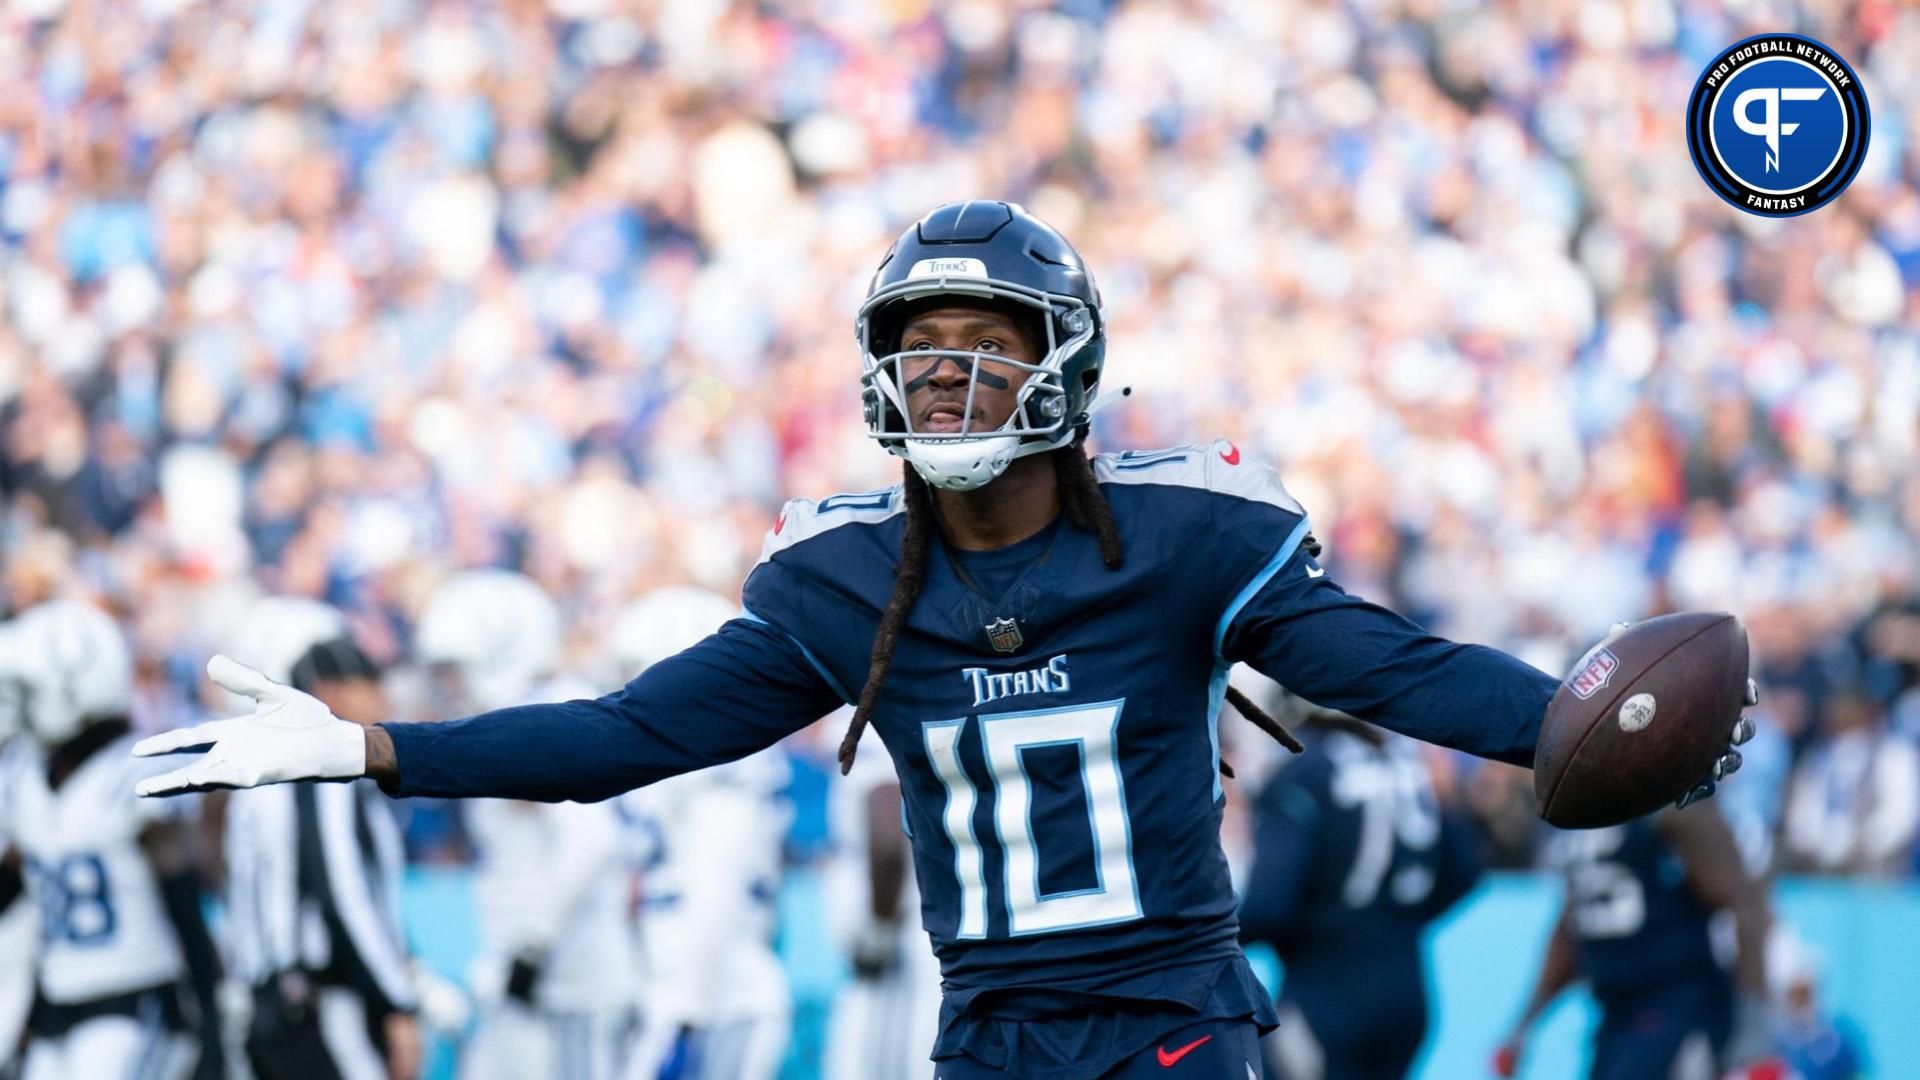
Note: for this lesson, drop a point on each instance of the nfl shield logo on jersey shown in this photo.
(1003, 635)
(1594, 673)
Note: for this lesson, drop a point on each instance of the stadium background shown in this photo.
(333, 299)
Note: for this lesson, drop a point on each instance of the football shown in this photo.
(1641, 719)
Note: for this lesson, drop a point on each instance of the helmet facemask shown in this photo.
(1043, 417)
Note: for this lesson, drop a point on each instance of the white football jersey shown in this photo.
(19, 929)
(847, 876)
(881, 1029)
(552, 882)
(710, 847)
(103, 927)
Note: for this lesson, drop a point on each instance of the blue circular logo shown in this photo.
(1778, 125)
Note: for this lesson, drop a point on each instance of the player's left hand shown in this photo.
(288, 736)
(1729, 762)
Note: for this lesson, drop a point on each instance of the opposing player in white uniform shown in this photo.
(715, 1002)
(556, 978)
(111, 874)
(19, 922)
(886, 1017)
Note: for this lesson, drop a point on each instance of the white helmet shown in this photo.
(499, 629)
(664, 622)
(73, 667)
(278, 630)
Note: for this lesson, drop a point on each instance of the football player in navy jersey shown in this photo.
(1354, 855)
(1041, 640)
(1641, 898)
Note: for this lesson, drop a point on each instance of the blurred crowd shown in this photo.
(332, 300)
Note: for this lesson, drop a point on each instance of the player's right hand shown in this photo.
(288, 736)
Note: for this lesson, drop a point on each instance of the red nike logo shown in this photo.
(1231, 455)
(1168, 1061)
(779, 523)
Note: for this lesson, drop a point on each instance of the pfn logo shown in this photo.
(1769, 126)
(1778, 125)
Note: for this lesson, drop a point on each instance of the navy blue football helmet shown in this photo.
(993, 252)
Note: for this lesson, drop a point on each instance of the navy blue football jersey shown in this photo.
(1353, 857)
(1054, 724)
(1639, 925)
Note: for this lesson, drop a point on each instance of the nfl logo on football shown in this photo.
(1590, 676)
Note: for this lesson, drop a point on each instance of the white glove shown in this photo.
(288, 736)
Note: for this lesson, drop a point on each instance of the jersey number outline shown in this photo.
(1606, 897)
(1093, 730)
(76, 900)
(1394, 809)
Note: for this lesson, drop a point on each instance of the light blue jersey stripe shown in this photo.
(1259, 581)
(1216, 697)
(834, 684)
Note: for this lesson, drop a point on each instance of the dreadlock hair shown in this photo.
(1085, 508)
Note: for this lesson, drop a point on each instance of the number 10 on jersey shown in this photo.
(1092, 730)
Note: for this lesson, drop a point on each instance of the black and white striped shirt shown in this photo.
(313, 883)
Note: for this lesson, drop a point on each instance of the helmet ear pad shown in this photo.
(1080, 376)
(881, 415)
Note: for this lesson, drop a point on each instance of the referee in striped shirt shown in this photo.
(314, 882)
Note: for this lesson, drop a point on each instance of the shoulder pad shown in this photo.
(804, 519)
(1218, 467)
(1181, 466)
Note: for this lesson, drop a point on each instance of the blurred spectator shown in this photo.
(1854, 804)
(1810, 1041)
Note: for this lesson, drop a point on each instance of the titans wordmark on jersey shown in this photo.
(1064, 798)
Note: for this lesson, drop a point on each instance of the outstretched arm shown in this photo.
(741, 689)
(1341, 652)
(1559, 968)
(1281, 613)
(1718, 877)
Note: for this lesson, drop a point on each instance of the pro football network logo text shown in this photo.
(1778, 125)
